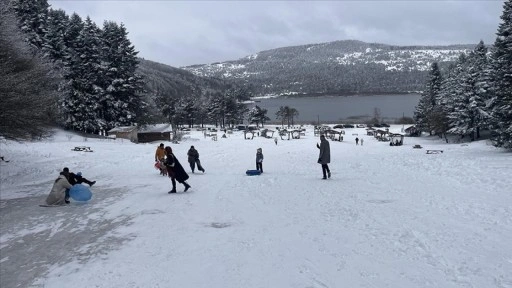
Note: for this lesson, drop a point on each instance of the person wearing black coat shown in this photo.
(175, 171)
(193, 159)
(324, 158)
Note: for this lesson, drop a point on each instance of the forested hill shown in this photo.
(165, 79)
(340, 67)
(163, 82)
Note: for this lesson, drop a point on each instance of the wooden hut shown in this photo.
(124, 132)
(412, 131)
(157, 132)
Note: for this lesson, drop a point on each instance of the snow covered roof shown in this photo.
(156, 128)
(122, 129)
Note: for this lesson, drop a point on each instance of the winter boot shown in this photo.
(186, 186)
(329, 174)
(172, 191)
(92, 183)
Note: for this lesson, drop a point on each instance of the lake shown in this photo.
(336, 108)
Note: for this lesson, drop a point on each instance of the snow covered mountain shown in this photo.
(340, 67)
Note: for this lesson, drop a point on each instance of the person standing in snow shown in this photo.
(57, 195)
(175, 171)
(159, 158)
(259, 160)
(193, 159)
(362, 141)
(357, 141)
(324, 158)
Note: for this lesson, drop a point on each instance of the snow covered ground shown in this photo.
(388, 217)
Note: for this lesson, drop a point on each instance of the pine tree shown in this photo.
(424, 115)
(258, 115)
(480, 75)
(54, 45)
(82, 105)
(470, 94)
(501, 63)
(446, 101)
(32, 16)
(122, 103)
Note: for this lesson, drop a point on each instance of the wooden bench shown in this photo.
(434, 151)
(417, 146)
(82, 148)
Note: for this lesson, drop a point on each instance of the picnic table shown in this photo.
(82, 148)
(434, 151)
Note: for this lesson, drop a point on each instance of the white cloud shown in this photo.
(192, 32)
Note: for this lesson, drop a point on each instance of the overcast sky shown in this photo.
(180, 33)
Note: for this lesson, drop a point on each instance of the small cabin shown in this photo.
(124, 132)
(157, 132)
(412, 131)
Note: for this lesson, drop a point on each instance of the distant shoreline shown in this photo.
(336, 95)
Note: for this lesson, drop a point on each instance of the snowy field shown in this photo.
(388, 217)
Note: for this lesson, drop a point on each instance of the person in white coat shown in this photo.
(58, 194)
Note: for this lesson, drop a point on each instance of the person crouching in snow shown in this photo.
(175, 171)
(259, 160)
(58, 194)
(193, 158)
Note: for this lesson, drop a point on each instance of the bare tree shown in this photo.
(28, 92)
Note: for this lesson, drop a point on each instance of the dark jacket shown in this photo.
(325, 152)
(193, 155)
(259, 157)
(174, 168)
(75, 179)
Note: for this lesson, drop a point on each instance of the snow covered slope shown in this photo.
(388, 217)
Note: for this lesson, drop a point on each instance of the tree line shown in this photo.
(475, 93)
(67, 71)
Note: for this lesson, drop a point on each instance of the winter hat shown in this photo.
(192, 147)
(66, 169)
(168, 149)
(79, 174)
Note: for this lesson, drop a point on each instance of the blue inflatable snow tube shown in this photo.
(253, 172)
(80, 192)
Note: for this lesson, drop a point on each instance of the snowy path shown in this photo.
(389, 217)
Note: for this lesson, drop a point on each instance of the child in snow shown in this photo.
(160, 159)
(75, 179)
(259, 160)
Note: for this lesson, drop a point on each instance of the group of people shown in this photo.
(177, 172)
(59, 195)
(170, 166)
